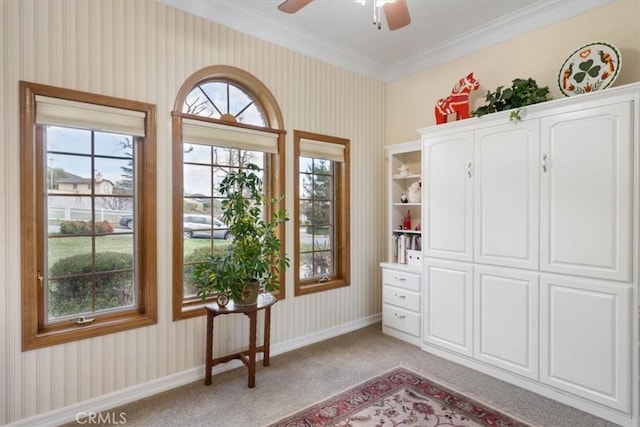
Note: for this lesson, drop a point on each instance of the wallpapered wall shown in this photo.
(143, 50)
(538, 55)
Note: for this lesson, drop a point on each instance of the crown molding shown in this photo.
(276, 31)
(534, 17)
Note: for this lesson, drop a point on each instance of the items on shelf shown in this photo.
(403, 243)
(415, 192)
(458, 102)
(406, 223)
(404, 170)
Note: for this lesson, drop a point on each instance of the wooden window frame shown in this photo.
(342, 275)
(35, 332)
(274, 169)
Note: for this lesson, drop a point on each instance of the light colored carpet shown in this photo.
(302, 377)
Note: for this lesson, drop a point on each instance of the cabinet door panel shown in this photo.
(448, 306)
(448, 190)
(585, 192)
(507, 195)
(506, 319)
(584, 338)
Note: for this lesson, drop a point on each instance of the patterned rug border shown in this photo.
(447, 388)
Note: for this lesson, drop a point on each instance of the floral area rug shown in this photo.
(399, 398)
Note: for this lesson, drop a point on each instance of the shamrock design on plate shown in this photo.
(590, 68)
(587, 67)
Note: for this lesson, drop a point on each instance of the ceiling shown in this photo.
(341, 32)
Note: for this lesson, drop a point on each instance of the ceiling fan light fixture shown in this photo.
(377, 10)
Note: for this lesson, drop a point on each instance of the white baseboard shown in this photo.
(106, 402)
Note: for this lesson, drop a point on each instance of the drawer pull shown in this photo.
(399, 316)
(401, 296)
(402, 279)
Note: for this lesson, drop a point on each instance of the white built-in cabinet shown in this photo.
(530, 229)
(448, 316)
(586, 191)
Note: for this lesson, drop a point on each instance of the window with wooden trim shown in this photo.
(224, 118)
(87, 176)
(321, 215)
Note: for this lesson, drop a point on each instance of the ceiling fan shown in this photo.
(396, 12)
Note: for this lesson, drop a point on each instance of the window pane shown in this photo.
(114, 290)
(112, 208)
(321, 213)
(321, 166)
(322, 187)
(69, 296)
(197, 180)
(68, 140)
(207, 100)
(61, 249)
(238, 100)
(225, 156)
(116, 243)
(197, 153)
(113, 145)
(251, 116)
(68, 174)
(113, 176)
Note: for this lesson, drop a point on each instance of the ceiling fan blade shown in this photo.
(292, 6)
(397, 14)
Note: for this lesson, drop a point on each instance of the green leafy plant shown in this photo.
(72, 291)
(255, 253)
(521, 93)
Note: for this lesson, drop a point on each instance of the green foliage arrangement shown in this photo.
(254, 254)
(84, 227)
(191, 261)
(72, 292)
(521, 93)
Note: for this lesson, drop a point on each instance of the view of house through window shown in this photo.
(88, 214)
(89, 197)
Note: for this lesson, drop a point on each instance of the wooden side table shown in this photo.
(247, 357)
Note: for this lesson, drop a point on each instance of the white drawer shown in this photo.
(401, 320)
(401, 279)
(401, 298)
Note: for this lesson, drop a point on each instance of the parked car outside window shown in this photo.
(127, 221)
(196, 225)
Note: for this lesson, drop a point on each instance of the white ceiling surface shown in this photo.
(341, 31)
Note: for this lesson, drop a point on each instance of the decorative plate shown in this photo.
(590, 68)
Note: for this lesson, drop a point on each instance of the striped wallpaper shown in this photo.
(143, 50)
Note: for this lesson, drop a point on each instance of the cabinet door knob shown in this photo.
(544, 163)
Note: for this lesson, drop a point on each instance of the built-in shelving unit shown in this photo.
(402, 273)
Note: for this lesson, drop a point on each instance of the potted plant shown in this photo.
(521, 93)
(253, 258)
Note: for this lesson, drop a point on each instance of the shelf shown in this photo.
(406, 176)
(398, 231)
(407, 204)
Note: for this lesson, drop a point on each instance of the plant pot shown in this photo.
(249, 294)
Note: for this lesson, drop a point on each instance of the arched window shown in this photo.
(223, 119)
